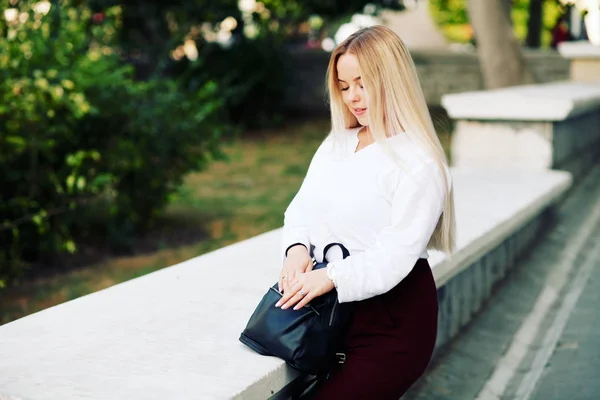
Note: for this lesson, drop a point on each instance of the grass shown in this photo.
(230, 201)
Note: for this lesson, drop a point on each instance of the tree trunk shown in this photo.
(534, 24)
(507, 8)
(500, 57)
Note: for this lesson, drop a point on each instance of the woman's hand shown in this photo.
(298, 261)
(304, 288)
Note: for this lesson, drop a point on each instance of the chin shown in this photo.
(363, 121)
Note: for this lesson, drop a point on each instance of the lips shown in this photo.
(359, 111)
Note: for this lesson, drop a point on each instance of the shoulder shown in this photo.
(337, 142)
(416, 164)
(410, 153)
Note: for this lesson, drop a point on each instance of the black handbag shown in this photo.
(306, 339)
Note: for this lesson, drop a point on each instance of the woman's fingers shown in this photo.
(297, 297)
(309, 265)
(281, 284)
(307, 298)
(290, 293)
(289, 280)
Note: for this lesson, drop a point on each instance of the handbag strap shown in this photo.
(345, 252)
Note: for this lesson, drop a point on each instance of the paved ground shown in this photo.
(539, 335)
(573, 371)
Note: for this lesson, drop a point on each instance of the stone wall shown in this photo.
(577, 156)
(441, 72)
(463, 295)
(548, 126)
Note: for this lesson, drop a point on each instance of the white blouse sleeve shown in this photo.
(417, 204)
(295, 228)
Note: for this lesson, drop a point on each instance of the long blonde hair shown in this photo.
(396, 105)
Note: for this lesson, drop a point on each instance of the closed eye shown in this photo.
(344, 89)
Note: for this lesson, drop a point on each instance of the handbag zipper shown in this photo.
(307, 306)
(333, 312)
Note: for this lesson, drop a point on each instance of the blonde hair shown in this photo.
(396, 105)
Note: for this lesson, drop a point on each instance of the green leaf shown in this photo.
(19, 142)
(102, 180)
(37, 219)
(70, 246)
(70, 183)
(81, 182)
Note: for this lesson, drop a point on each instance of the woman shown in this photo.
(379, 184)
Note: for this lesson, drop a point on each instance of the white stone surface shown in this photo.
(578, 49)
(173, 334)
(503, 144)
(491, 204)
(542, 102)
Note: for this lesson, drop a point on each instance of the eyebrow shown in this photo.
(355, 79)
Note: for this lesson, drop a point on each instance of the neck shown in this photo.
(364, 134)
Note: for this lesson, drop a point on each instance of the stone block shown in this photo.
(443, 329)
(492, 144)
(466, 294)
(478, 285)
(549, 126)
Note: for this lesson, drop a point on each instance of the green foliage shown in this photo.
(300, 10)
(251, 72)
(98, 123)
(453, 17)
(251, 75)
(449, 12)
(77, 131)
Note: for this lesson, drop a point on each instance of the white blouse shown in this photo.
(383, 211)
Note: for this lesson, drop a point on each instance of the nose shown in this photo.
(354, 96)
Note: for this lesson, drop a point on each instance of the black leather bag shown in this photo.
(307, 339)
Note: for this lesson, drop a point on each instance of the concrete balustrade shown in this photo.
(549, 126)
(173, 334)
(584, 58)
(441, 71)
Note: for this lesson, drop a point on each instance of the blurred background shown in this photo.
(138, 134)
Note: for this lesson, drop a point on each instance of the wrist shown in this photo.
(296, 248)
(328, 284)
(331, 274)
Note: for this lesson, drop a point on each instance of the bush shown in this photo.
(77, 131)
(252, 76)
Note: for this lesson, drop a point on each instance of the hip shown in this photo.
(400, 319)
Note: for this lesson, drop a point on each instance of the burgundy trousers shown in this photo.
(389, 343)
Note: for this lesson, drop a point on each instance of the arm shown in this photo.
(417, 204)
(295, 230)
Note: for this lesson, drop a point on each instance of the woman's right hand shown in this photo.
(298, 261)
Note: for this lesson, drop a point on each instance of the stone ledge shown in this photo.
(543, 102)
(579, 50)
(174, 333)
(495, 224)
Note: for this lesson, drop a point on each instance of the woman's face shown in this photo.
(350, 83)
